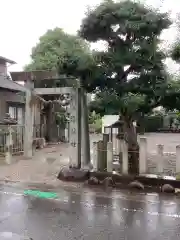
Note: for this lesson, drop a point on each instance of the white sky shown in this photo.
(24, 21)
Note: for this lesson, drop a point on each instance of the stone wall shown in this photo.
(157, 162)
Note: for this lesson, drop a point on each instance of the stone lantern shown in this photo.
(119, 124)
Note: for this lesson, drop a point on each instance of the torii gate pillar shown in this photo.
(29, 120)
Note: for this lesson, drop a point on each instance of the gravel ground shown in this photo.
(46, 163)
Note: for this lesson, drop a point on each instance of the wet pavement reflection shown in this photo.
(89, 215)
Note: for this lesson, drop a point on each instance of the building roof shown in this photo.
(33, 75)
(116, 124)
(7, 60)
(9, 84)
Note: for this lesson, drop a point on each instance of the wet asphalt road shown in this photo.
(88, 215)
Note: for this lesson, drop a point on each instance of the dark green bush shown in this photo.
(150, 123)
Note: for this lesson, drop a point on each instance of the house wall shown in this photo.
(15, 99)
(9, 98)
(3, 68)
(2, 107)
(6, 97)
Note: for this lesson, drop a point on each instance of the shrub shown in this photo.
(98, 125)
(152, 123)
(95, 122)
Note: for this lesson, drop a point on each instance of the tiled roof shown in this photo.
(9, 84)
(7, 60)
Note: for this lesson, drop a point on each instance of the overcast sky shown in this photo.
(24, 21)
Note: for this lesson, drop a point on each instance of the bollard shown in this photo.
(178, 159)
(9, 145)
(104, 159)
(143, 155)
(95, 156)
(124, 157)
(100, 157)
(160, 150)
(109, 157)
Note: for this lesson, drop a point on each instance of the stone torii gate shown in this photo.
(78, 126)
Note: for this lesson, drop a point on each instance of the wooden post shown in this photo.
(79, 113)
(111, 134)
(95, 156)
(119, 146)
(100, 151)
(105, 141)
(85, 142)
(143, 155)
(109, 157)
(29, 120)
(124, 157)
(160, 150)
(178, 159)
(9, 145)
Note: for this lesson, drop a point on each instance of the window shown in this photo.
(16, 113)
(20, 115)
(13, 112)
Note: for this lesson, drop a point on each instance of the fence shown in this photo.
(159, 162)
(13, 135)
(39, 131)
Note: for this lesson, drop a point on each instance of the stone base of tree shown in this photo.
(108, 182)
(93, 181)
(136, 185)
(73, 174)
(105, 179)
(131, 182)
(167, 188)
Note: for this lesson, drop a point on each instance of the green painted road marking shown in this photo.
(40, 194)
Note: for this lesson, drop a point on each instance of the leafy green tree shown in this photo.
(133, 79)
(49, 54)
(172, 99)
(53, 46)
(128, 77)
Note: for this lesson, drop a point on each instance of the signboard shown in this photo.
(73, 129)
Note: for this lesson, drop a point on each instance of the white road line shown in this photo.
(134, 210)
(124, 198)
(86, 204)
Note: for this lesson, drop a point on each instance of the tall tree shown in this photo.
(172, 100)
(133, 79)
(49, 54)
(54, 45)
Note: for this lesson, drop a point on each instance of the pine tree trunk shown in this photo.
(133, 146)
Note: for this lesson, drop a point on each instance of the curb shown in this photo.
(126, 179)
(40, 185)
(151, 185)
